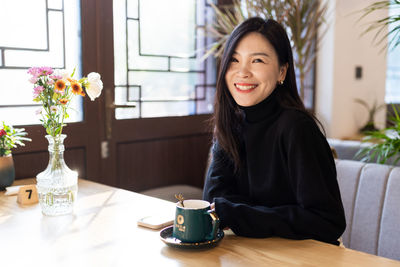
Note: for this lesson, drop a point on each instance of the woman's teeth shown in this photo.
(245, 87)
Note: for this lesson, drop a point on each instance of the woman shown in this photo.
(272, 172)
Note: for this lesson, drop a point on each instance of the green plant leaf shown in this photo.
(380, 25)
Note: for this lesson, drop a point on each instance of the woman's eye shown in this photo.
(234, 60)
(258, 60)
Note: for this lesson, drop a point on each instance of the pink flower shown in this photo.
(33, 79)
(56, 77)
(50, 81)
(46, 70)
(2, 132)
(38, 111)
(34, 71)
(37, 90)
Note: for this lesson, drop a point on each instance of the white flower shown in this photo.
(53, 109)
(94, 86)
(392, 134)
(61, 73)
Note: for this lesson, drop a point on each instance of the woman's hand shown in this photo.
(212, 207)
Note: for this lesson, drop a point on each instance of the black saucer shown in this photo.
(167, 238)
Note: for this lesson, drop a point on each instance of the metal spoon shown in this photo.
(180, 198)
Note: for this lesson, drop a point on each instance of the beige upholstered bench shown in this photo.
(371, 199)
(168, 192)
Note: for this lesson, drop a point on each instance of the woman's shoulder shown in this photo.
(299, 125)
(294, 117)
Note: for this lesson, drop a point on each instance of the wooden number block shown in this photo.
(27, 195)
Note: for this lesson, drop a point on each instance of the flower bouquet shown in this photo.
(54, 89)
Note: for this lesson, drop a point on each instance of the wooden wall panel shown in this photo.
(147, 164)
(28, 165)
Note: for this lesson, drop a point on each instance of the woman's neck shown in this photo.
(262, 110)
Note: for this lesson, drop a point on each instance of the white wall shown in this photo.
(341, 50)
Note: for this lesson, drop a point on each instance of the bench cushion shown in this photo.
(371, 198)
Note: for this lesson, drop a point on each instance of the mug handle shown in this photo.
(215, 223)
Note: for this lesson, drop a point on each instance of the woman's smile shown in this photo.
(245, 87)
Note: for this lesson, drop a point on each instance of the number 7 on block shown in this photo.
(27, 195)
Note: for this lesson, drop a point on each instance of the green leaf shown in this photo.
(73, 72)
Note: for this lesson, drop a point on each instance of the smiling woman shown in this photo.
(272, 171)
(254, 70)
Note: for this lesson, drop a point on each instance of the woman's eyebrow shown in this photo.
(253, 54)
(259, 54)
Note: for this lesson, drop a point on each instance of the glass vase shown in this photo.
(57, 185)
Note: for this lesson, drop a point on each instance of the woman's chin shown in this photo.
(245, 103)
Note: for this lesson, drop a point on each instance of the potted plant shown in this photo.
(384, 144)
(302, 19)
(370, 125)
(9, 138)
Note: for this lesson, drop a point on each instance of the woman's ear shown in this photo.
(283, 71)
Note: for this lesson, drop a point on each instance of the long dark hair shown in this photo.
(227, 119)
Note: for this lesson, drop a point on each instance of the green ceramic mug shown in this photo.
(195, 222)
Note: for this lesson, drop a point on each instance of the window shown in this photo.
(157, 53)
(393, 68)
(42, 33)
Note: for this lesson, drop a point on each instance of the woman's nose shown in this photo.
(244, 71)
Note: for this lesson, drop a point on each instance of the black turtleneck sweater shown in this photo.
(287, 186)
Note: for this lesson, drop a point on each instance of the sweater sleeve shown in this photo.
(318, 212)
(220, 179)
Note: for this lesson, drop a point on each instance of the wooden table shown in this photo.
(103, 232)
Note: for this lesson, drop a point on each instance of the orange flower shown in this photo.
(76, 88)
(63, 101)
(60, 85)
(71, 80)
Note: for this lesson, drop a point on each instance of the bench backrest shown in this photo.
(371, 199)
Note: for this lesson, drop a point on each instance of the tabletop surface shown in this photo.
(103, 231)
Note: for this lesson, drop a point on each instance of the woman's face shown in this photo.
(254, 70)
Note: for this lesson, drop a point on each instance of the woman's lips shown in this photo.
(245, 87)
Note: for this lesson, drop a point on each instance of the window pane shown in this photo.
(17, 20)
(161, 109)
(52, 56)
(56, 4)
(135, 60)
(165, 33)
(158, 55)
(165, 85)
(393, 66)
(393, 77)
(54, 41)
